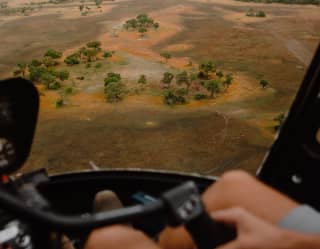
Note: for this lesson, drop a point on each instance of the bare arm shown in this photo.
(255, 233)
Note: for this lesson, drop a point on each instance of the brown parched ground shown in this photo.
(233, 130)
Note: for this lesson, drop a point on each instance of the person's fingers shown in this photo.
(119, 236)
(232, 216)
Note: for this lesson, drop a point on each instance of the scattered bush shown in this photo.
(72, 59)
(167, 79)
(142, 79)
(279, 119)
(35, 63)
(68, 90)
(114, 91)
(252, 13)
(94, 44)
(54, 54)
(112, 77)
(62, 74)
(260, 14)
(108, 54)
(173, 98)
(141, 24)
(98, 65)
(199, 96)
(264, 83)
(35, 73)
(181, 91)
(59, 103)
(166, 56)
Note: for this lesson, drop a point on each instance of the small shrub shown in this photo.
(142, 79)
(199, 96)
(107, 54)
(72, 59)
(171, 98)
(59, 103)
(68, 90)
(264, 83)
(98, 65)
(260, 14)
(181, 91)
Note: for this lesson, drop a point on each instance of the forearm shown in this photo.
(295, 240)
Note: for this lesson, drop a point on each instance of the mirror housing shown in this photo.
(19, 106)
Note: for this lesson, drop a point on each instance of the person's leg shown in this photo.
(119, 237)
(235, 189)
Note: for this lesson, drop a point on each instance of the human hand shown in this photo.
(253, 232)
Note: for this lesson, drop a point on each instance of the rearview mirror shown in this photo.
(19, 105)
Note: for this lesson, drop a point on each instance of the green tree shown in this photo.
(166, 56)
(279, 119)
(72, 59)
(35, 73)
(143, 19)
(264, 83)
(142, 31)
(205, 68)
(228, 81)
(21, 70)
(141, 23)
(142, 79)
(260, 14)
(59, 103)
(81, 53)
(156, 25)
(35, 63)
(183, 78)
(54, 54)
(219, 74)
(98, 65)
(91, 54)
(108, 54)
(94, 44)
(98, 2)
(131, 24)
(173, 98)
(50, 81)
(114, 91)
(62, 74)
(112, 77)
(167, 78)
(213, 86)
(48, 61)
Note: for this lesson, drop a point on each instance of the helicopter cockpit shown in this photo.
(152, 100)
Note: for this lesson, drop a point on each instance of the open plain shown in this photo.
(233, 130)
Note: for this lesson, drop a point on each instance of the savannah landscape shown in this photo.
(194, 86)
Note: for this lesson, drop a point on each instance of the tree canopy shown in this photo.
(53, 54)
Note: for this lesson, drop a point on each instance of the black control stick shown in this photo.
(186, 207)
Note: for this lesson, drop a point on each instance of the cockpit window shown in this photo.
(190, 86)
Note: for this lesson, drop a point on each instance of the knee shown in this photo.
(100, 237)
(117, 236)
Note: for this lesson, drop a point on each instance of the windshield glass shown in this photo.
(189, 86)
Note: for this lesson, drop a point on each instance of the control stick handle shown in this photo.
(186, 208)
